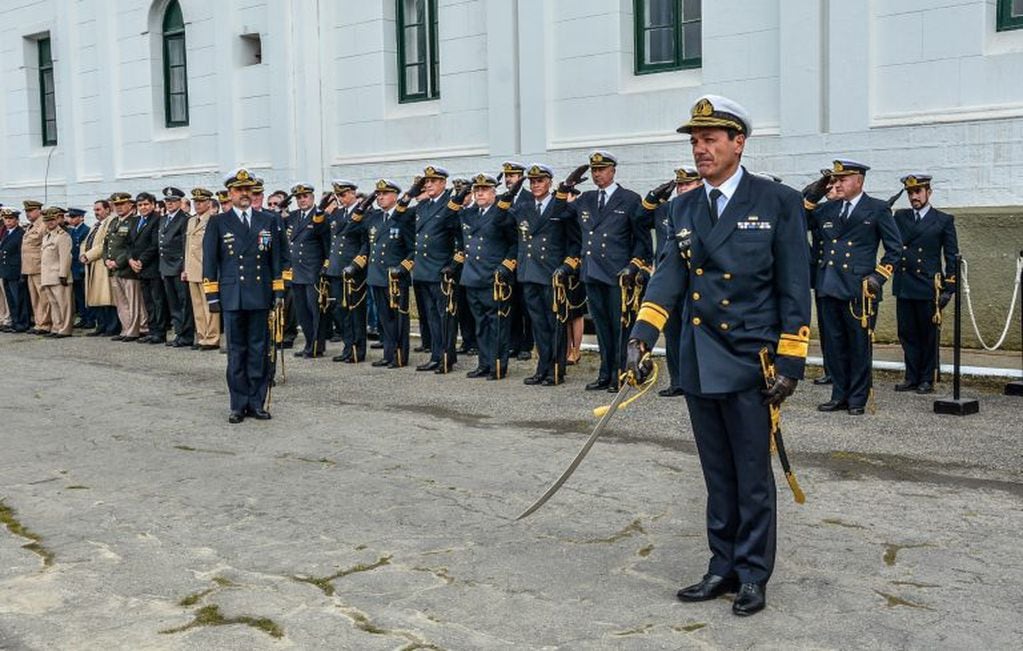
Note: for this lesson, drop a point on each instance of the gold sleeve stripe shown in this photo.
(648, 205)
(278, 285)
(453, 205)
(510, 264)
(504, 205)
(561, 196)
(791, 348)
(885, 270)
(360, 261)
(408, 264)
(287, 275)
(319, 218)
(210, 286)
(653, 314)
(572, 262)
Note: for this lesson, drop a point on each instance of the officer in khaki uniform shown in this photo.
(125, 286)
(55, 273)
(30, 260)
(207, 324)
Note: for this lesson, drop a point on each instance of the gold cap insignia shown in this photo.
(703, 109)
(839, 167)
(243, 175)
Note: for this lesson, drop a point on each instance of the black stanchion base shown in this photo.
(1014, 389)
(953, 407)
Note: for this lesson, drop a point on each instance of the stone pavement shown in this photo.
(376, 511)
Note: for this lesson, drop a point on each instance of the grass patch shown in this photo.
(9, 519)
(211, 616)
(325, 584)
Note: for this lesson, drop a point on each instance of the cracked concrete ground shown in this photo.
(376, 511)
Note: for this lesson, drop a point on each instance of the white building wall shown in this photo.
(905, 85)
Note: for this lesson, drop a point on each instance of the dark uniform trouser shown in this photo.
(155, 302)
(539, 300)
(425, 332)
(433, 309)
(180, 303)
(307, 310)
(395, 340)
(605, 304)
(520, 332)
(732, 434)
(673, 346)
(351, 319)
(248, 368)
(106, 319)
(848, 352)
(491, 330)
(17, 303)
(466, 322)
(290, 319)
(822, 333)
(85, 313)
(918, 336)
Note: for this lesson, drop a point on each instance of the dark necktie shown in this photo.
(245, 219)
(917, 215)
(539, 207)
(601, 201)
(142, 223)
(845, 212)
(715, 194)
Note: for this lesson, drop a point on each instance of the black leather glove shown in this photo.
(509, 195)
(461, 184)
(398, 271)
(946, 296)
(661, 193)
(627, 276)
(563, 271)
(327, 199)
(642, 277)
(781, 388)
(637, 361)
(505, 274)
(416, 189)
(63, 281)
(895, 197)
(215, 307)
(348, 271)
(874, 285)
(366, 203)
(577, 176)
(815, 191)
(459, 195)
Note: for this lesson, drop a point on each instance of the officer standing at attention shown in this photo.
(616, 244)
(738, 270)
(520, 331)
(124, 282)
(851, 226)
(242, 280)
(31, 244)
(927, 234)
(308, 248)
(658, 209)
(346, 269)
(437, 228)
(206, 323)
(548, 247)
(145, 261)
(55, 273)
(491, 244)
(78, 231)
(390, 248)
(172, 236)
(10, 270)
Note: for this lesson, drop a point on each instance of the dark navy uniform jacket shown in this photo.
(744, 285)
(490, 239)
(849, 251)
(171, 239)
(10, 253)
(78, 235)
(922, 248)
(308, 245)
(613, 238)
(241, 266)
(145, 246)
(348, 237)
(390, 242)
(546, 241)
(437, 230)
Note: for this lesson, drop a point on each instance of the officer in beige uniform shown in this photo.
(30, 258)
(207, 324)
(55, 273)
(124, 281)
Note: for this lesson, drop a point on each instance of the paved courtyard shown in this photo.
(376, 511)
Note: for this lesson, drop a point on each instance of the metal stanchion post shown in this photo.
(1016, 388)
(957, 406)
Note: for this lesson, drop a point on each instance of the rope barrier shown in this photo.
(1012, 305)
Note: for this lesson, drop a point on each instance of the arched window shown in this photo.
(175, 71)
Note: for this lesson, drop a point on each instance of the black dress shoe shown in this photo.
(157, 340)
(395, 365)
(549, 382)
(533, 380)
(905, 386)
(924, 388)
(524, 356)
(380, 362)
(710, 587)
(421, 349)
(833, 405)
(260, 414)
(671, 392)
(751, 599)
(598, 385)
(613, 388)
(376, 345)
(856, 411)
(94, 333)
(495, 376)
(235, 417)
(478, 372)
(336, 339)
(440, 370)
(128, 340)
(181, 343)
(822, 380)
(464, 350)
(302, 353)
(341, 358)
(429, 366)
(57, 335)
(209, 347)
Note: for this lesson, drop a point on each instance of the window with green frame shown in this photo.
(1010, 15)
(418, 61)
(47, 93)
(668, 35)
(175, 70)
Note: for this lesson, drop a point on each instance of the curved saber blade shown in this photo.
(601, 424)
